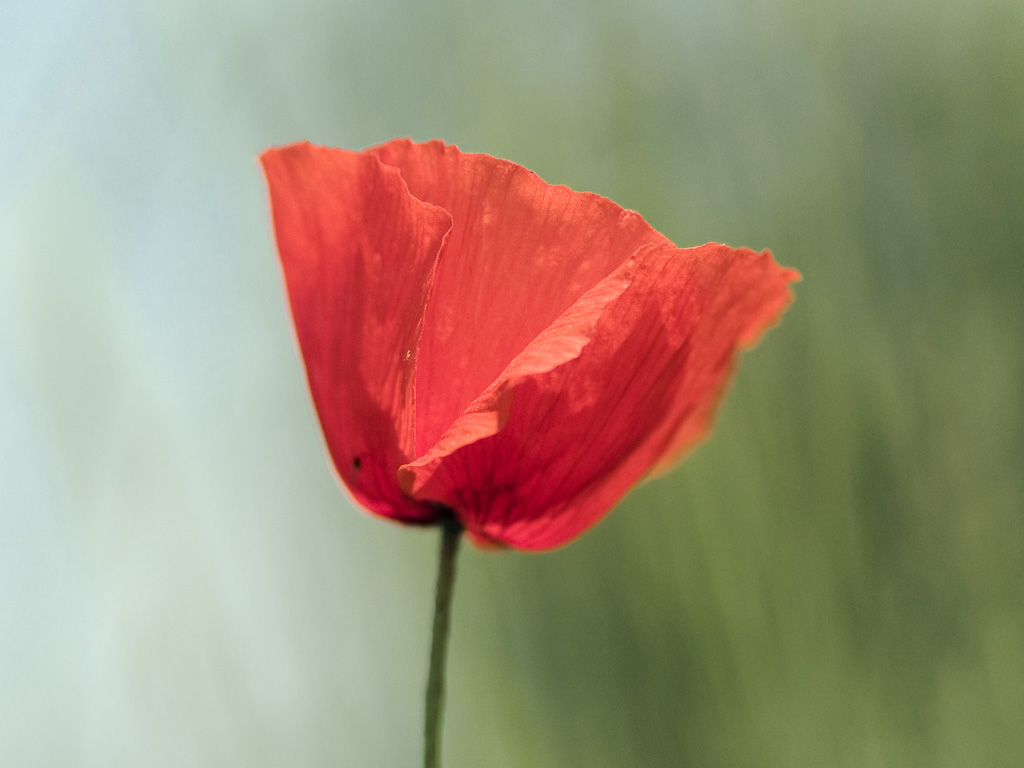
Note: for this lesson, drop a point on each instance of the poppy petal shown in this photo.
(358, 254)
(545, 452)
(520, 253)
(734, 320)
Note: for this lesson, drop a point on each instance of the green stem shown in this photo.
(451, 531)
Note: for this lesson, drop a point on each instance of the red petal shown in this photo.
(358, 253)
(735, 319)
(519, 254)
(546, 451)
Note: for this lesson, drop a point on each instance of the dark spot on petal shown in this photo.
(357, 463)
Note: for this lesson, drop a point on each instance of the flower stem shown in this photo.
(451, 531)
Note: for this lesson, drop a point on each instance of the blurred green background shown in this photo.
(835, 579)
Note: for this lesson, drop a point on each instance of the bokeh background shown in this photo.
(835, 579)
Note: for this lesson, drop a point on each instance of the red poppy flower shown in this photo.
(483, 344)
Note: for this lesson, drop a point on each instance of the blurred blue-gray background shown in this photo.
(835, 579)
